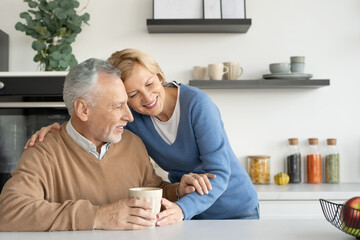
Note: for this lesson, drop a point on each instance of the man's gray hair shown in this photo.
(81, 81)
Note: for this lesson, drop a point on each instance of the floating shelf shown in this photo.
(259, 84)
(198, 25)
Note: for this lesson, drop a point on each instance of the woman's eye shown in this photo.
(132, 96)
(149, 84)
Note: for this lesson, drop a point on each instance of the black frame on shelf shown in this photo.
(201, 25)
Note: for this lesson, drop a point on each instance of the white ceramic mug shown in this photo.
(199, 72)
(217, 71)
(152, 195)
(235, 71)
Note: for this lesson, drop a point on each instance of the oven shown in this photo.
(27, 103)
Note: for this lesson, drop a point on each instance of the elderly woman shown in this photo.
(183, 133)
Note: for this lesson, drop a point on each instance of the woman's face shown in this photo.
(146, 95)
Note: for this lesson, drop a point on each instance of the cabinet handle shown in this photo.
(2, 85)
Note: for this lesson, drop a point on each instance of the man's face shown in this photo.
(110, 113)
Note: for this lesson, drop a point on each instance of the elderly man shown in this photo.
(78, 177)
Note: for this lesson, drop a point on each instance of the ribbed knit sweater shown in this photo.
(201, 146)
(59, 186)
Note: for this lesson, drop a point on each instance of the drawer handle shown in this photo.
(2, 85)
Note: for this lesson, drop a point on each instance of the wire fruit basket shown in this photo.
(343, 217)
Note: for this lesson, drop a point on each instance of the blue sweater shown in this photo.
(201, 146)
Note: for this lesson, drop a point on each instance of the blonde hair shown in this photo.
(124, 61)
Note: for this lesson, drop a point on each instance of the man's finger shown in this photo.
(139, 204)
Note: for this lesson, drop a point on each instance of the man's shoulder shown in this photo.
(129, 136)
(52, 140)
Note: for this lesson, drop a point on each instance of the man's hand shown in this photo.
(171, 215)
(128, 214)
(191, 182)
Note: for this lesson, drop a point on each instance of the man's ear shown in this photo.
(81, 109)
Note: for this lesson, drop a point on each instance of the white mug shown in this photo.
(152, 195)
(217, 71)
(199, 72)
(235, 71)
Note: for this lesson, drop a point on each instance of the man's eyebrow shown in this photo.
(119, 103)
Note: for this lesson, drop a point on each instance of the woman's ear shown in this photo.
(81, 109)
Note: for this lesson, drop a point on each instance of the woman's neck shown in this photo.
(171, 95)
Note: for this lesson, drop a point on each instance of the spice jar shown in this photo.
(313, 162)
(259, 168)
(293, 161)
(332, 167)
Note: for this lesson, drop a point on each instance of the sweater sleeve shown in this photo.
(151, 179)
(212, 144)
(25, 202)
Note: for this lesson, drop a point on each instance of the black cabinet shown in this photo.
(4, 52)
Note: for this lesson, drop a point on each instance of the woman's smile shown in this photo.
(152, 104)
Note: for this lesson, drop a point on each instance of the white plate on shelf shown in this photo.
(296, 76)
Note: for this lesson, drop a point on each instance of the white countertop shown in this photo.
(206, 229)
(307, 191)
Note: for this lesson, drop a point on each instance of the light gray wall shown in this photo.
(327, 32)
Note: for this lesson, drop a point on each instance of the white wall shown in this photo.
(327, 32)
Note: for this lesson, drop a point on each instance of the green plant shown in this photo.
(54, 25)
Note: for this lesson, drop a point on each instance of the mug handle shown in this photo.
(226, 69)
(240, 72)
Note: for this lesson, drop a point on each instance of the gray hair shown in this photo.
(81, 81)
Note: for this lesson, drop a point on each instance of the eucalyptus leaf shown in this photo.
(73, 62)
(63, 63)
(41, 30)
(56, 56)
(85, 17)
(36, 58)
(32, 4)
(20, 27)
(52, 5)
(67, 50)
(36, 45)
(60, 13)
(53, 63)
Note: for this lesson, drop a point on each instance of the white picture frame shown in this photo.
(212, 9)
(178, 9)
(233, 9)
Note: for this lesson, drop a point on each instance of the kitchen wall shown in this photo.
(327, 32)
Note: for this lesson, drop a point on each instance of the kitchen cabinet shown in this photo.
(259, 84)
(301, 201)
(198, 25)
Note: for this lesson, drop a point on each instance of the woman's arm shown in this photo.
(39, 135)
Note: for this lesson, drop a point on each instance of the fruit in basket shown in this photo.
(281, 178)
(350, 230)
(350, 215)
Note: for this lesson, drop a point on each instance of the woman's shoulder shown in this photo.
(192, 94)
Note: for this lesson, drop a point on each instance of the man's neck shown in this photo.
(82, 129)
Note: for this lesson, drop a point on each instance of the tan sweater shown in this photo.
(59, 186)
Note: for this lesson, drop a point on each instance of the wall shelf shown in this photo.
(259, 84)
(198, 25)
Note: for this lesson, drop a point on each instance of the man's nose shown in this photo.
(127, 114)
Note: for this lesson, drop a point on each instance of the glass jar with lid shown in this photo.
(332, 167)
(293, 161)
(259, 169)
(313, 162)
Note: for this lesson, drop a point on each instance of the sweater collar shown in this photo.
(85, 143)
